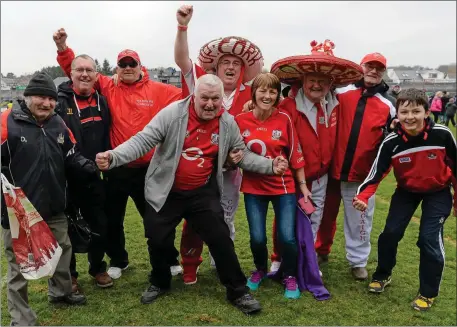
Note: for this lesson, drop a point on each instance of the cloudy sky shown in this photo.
(409, 33)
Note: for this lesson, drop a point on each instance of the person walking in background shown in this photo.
(436, 106)
(451, 109)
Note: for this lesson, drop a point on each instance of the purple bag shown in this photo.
(308, 277)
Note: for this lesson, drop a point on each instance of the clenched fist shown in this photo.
(184, 14)
(60, 38)
(103, 160)
(280, 165)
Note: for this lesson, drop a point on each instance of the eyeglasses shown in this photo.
(89, 71)
(370, 67)
(124, 64)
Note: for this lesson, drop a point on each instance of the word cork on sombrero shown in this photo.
(248, 52)
(291, 70)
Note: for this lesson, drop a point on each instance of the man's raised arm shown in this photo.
(182, 59)
(65, 56)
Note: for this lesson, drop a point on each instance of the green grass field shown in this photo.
(204, 303)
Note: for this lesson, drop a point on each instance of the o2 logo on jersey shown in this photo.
(253, 145)
(192, 154)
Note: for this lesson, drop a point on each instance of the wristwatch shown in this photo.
(302, 182)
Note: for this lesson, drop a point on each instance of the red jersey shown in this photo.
(240, 98)
(271, 138)
(199, 152)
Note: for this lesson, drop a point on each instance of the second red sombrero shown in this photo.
(290, 70)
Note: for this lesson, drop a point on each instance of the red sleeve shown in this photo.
(4, 119)
(198, 71)
(71, 136)
(296, 156)
(64, 58)
(172, 94)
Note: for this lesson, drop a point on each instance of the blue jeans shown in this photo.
(285, 210)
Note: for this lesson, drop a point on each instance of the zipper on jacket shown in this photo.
(45, 166)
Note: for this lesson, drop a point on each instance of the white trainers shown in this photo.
(176, 270)
(275, 266)
(115, 272)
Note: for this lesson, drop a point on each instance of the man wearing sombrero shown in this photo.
(235, 61)
(314, 111)
(365, 114)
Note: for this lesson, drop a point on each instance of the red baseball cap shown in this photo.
(128, 53)
(376, 56)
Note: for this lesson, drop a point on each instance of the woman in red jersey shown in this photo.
(270, 133)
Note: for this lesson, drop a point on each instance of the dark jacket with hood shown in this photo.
(34, 157)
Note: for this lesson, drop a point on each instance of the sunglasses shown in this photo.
(124, 64)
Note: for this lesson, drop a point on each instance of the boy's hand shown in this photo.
(359, 204)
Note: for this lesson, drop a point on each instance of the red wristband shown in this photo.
(182, 27)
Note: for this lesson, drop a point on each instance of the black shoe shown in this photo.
(72, 299)
(322, 258)
(247, 304)
(152, 293)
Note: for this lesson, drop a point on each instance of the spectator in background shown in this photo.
(395, 91)
(444, 101)
(436, 106)
(451, 109)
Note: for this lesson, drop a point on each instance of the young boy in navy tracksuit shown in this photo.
(423, 156)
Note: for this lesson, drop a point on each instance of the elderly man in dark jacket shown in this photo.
(36, 149)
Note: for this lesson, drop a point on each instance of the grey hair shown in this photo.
(84, 56)
(28, 101)
(210, 80)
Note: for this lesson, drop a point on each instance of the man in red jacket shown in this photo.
(365, 115)
(314, 110)
(235, 61)
(133, 102)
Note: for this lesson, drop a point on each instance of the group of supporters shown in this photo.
(187, 153)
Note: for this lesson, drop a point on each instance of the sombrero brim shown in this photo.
(290, 70)
(244, 49)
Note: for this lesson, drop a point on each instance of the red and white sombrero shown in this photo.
(290, 70)
(244, 49)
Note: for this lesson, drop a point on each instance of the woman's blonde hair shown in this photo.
(439, 94)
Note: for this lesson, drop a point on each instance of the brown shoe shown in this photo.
(359, 273)
(322, 258)
(74, 286)
(103, 280)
